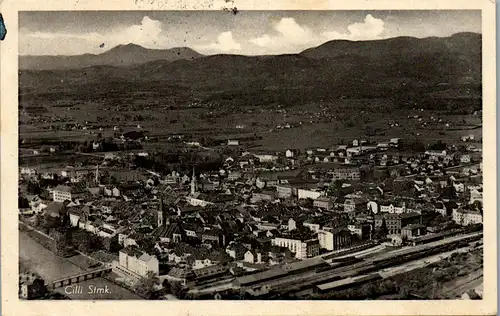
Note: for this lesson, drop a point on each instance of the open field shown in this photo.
(323, 124)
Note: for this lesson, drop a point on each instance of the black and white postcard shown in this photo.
(248, 159)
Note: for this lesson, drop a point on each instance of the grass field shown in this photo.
(315, 124)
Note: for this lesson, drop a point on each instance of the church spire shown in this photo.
(193, 183)
(97, 174)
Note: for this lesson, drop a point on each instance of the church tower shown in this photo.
(193, 183)
(160, 213)
(97, 174)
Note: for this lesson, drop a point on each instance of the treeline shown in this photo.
(181, 161)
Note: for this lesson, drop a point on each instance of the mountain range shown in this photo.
(118, 56)
(368, 68)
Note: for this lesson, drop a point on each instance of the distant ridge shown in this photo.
(118, 56)
(379, 68)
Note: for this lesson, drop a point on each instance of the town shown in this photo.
(226, 220)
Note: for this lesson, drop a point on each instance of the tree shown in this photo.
(335, 188)
(23, 202)
(147, 286)
(382, 231)
(34, 188)
(179, 290)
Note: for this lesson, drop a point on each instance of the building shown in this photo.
(476, 194)
(233, 176)
(284, 191)
(263, 196)
(346, 173)
(266, 157)
(331, 239)
(440, 208)
(465, 159)
(137, 262)
(363, 231)
(393, 209)
(323, 202)
(254, 256)
(290, 153)
(233, 142)
(236, 250)
(395, 222)
(308, 194)
(436, 153)
(466, 217)
(351, 205)
(305, 246)
(63, 192)
(372, 206)
(413, 230)
(31, 286)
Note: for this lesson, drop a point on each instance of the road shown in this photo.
(50, 267)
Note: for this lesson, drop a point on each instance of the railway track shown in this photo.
(310, 279)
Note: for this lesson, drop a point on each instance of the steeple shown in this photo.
(161, 221)
(193, 183)
(97, 174)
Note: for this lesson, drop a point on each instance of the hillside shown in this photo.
(121, 55)
(391, 68)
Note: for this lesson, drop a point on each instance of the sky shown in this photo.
(220, 32)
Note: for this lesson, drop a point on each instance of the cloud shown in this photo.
(224, 43)
(292, 37)
(289, 36)
(149, 33)
(370, 29)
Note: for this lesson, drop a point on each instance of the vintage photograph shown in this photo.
(250, 155)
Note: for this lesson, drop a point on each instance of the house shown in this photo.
(395, 222)
(352, 204)
(383, 145)
(290, 153)
(236, 250)
(233, 176)
(394, 141)
(284, 191)
(465, 159)
(63, 192)
(198, 199)
(323, 202)
(266, 157)
(267, 195)
(170, 232)
(233, 142)
(436, 153)
(476, 194)
(346, 173)
(77, 214)
(137, 262)
(413, 230)
(440, 208)
(308, 194)
(26, 171)
(467, 217)
(278, 254)
(459, 187)
(255, 256)
(363, 231)
(393, 208)
(31, 286)
(215, 237)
